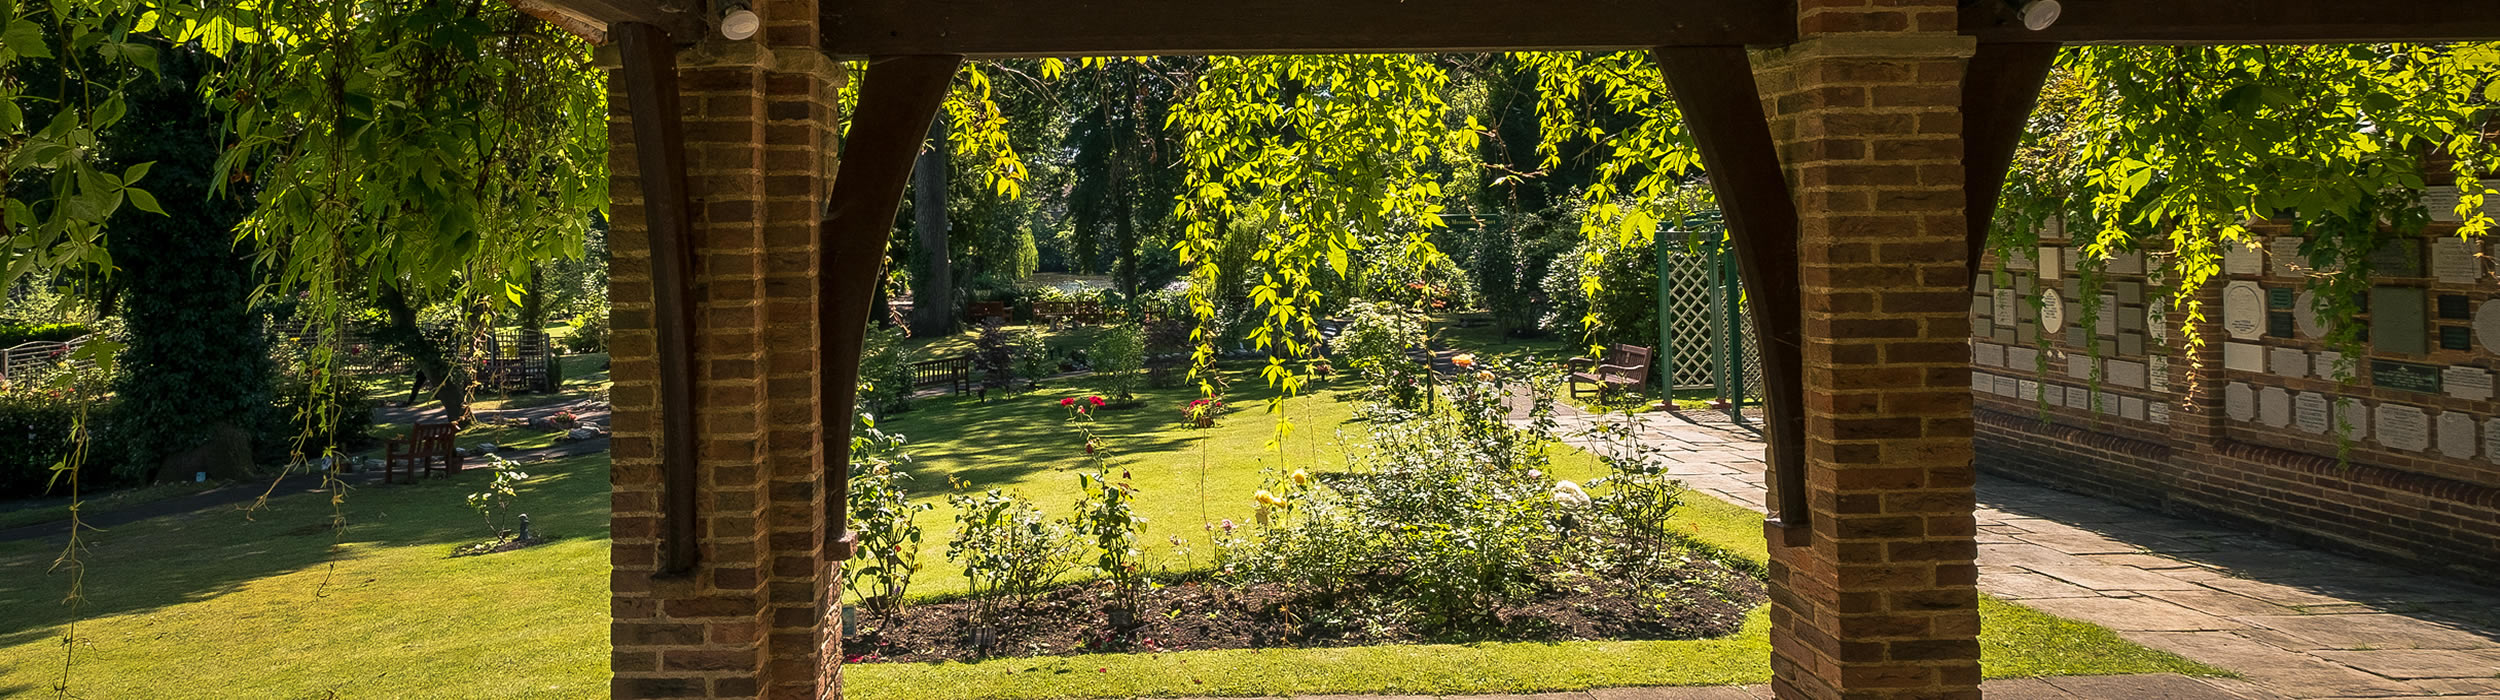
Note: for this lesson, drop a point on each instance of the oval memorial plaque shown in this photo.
(2244, 310)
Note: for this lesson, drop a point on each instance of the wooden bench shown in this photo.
(953, 372)
(983, 311)
(1622, 366)
(427, 449)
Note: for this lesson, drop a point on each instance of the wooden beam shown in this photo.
(593, 20)
(2243, 21)
(1998, 92)
(650, 77)
(1714, 88)
(898, 99)
(1012, 28)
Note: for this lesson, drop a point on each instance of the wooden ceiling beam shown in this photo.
(1023, 28)
(594, 20)
(2243, 21)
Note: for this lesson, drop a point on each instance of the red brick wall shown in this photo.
(2263, 468)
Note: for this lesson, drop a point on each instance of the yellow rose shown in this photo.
(1301, 477)
(1267, 498)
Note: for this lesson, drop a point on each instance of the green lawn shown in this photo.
(220, 605)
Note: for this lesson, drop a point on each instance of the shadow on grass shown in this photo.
(143, 566)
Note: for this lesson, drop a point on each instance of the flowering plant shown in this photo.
(1203, 411)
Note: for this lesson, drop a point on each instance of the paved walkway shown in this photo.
(2296, 623)
(2144, 687)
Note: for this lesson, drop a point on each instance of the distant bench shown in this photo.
(953, 372)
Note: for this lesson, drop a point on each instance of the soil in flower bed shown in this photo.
(1698, 598)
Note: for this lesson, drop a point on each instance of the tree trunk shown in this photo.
(933, 290)
(437, 366)
(1123, 218)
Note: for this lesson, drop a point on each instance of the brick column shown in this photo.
(1866, 110)
(751, 619)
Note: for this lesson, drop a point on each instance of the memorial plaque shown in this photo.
(2053, 394)
(2131, 408)
(2106, 325)
(2007, 386)
(2127, 263)
(2072, 261)
(2305, 315)
(2004, 311)
(2491, 439)
(2352, 419)
(2309, 413)
(2073, 287)
(2326, 365)
(2469, 383)
(2130, 343)
(2106, 402)
(2027, 260)
(2023, 359)
(2239, 401)
(2130, 292)
(2159, 412)
(2027, 390)
(2080, 366)
(2457, 435)
(2157, 373)
(2023, 285)
(2052, 262)
(2455, 307)
(2074, 338)
(2024, 333)
(2283, 252)
(2243, 310)
(2453, 261)
(2157, 324)
(2404, 376)
(2108, 347)
(2279, 324)
(1983, 306)
(2245, 357)
(2456, 338)
(1982, 383)
(2239, 259)
(2274, 407)
(2079, 399)
(2288, 362)
(2280, 298)
(2487, 325)
(2403, 427)
(2397, 321)
(2130, 318)
(2052, 312)
(2442, 201)
(2401, 257)
(2126, 374)
(1987, 354)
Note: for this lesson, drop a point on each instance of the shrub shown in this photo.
(590, 327)
(1031, 356)
(885, 372)
(887, 521)
(1374, 344)
(1118, 355)
(35, 424)
(1105, 513)
(347, 410)
(1007, 547)
(13, 335)
(994, 356)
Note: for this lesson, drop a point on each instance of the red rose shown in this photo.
(1097, 401)
(1070, 401)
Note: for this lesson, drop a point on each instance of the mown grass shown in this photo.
(274, 604)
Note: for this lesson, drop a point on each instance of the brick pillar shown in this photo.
(1866, 110)
(751, 619)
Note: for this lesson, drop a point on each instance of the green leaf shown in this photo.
(144, 201)
(26, 38)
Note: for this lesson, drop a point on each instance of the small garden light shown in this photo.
(737, 21)
(2038, 14)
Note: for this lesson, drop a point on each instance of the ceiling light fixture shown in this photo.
(737, 23)
(2038, 14)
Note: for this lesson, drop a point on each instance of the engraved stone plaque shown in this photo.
(2455, 307)
(2243, 310)
(2487, 325)
(2026, 333)
(2453, 261)
(1987, 354)
(2130, 318)
(2305, 315)
(2127, 263)
(2325, 365)
(2107, 324)
(2004, 311)
(2159, 412)
(1982, 383)
(2470, 383)
(2274, 407)
(2288, 362)
(2457, 435)
(2022, 359)
(2105, 402)
(2052, 262)
(2025, 261)
(2079, 399)
(2491, 440)
(2157, 324)
(2309, 413)
(2126, 374)
(2157, 373)
(2279, 324)
(2052, 311)
(2027, 390)
(2242, 259)
(2283, 252)
(2352, 419)
(2280, 298)
(2456, 338)
(2401, 257)
(2404, 376)
(2246, 357)
(2403, 427)
(2397, 321)
(1983, 306)
(2130, 343)
(2080, 366)
(2131, 292)
(2239, 401)
(2053, 394)
(2131, 408)
(2073, 287)
(2007, 386)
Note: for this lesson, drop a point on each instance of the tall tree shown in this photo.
(933, 287)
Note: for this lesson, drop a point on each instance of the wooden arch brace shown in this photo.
(1997, 96)
(650, 76)
(1714, 88)
(898, 99)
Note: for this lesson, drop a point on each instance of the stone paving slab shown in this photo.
(2297, 623)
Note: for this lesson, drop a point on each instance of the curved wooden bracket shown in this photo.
(649, 73)
(1714, 88)
(898, 99)
(1997, 96)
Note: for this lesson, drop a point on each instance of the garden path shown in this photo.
(2295, 622)
(2160, 686)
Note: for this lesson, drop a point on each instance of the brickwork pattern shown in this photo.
(750, 620)
(1866, 111)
